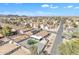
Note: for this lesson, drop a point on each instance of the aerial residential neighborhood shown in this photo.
(37, 32)
(20, 36)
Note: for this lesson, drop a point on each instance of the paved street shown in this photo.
(58, 39)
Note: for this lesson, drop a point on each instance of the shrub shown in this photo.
(69, 47)
(31, 42)
(33, 50)
(6, 31)
(75, 34)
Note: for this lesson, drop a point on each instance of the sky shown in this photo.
(40, 9)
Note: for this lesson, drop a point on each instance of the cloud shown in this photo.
(54, 7)
(49, 6)
(70, 6)
(45, 5)
(76, 8)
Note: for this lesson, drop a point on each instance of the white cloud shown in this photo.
(54, 7)
(70, 6)
(76, 7)
(45, 5)
(49, 6)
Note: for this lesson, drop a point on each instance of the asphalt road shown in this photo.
(58, 39)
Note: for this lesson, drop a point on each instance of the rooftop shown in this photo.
(28, 33)
(19, 38)
(21, 51)
(6, 48)
(41, 33)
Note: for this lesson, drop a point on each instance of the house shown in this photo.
(42, 26)
(35, 25)
(24, 30)
(1, 36)
(50, 41)
(21, 51)
(4, 40)
(14, 31)
(41, 45)
(34, 31)
(7, 48)
(40, 35)
(20, 38)
(29, 33)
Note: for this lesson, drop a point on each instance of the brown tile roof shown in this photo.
(42, 33)
(20, 37)
(29, 33)
(7, 48)
(21, 51)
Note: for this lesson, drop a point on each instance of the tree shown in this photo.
(31, 42)
(6, 31)
(33, 47)
(74, 25)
